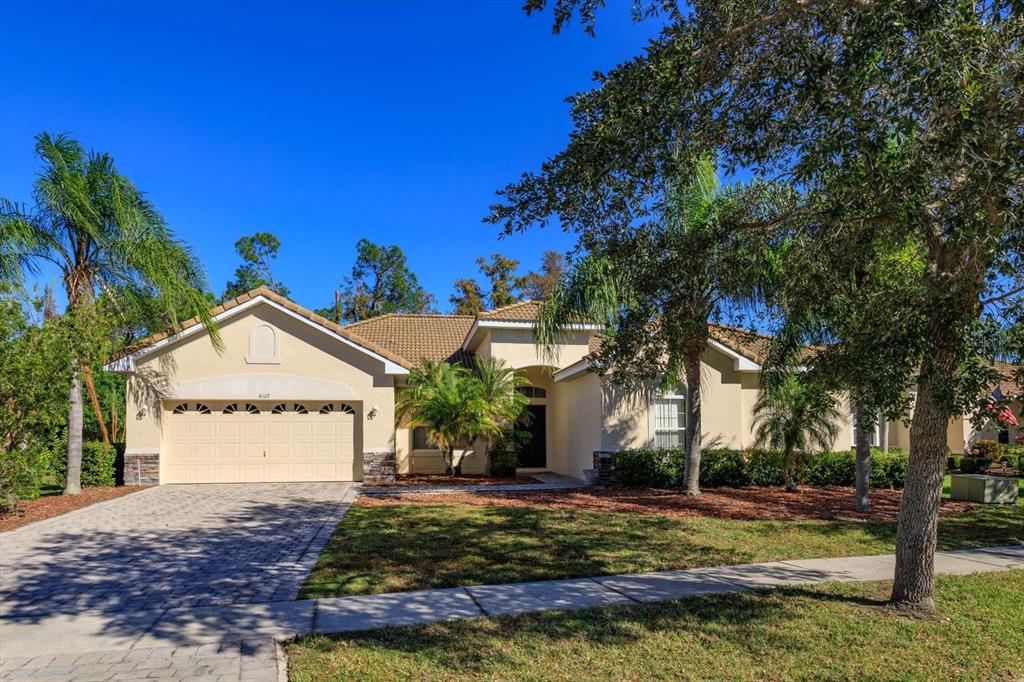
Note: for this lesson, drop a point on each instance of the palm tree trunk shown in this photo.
(691, 473)
(95, 400)
(73, 486)
(863, 465)
(788, 474)
(917, 533)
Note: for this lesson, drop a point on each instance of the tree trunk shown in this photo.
(883, 434)
(788, 474)
(73, 486)
(916, 535)
(95, 400)
(691, 474)
(449, 464)
(863, 466)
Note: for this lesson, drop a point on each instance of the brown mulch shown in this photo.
(463, 479)
(830, 503)
(30, 511)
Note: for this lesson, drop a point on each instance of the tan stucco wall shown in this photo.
(304, 352)
(575, 424)
(516, 348)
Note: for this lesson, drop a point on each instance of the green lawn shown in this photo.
(831, 631)
(407, 547)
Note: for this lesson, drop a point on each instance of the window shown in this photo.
(230, 409)
(251, 409)
(872, 441)
(533, 392)
(670, 420)
(280, 408)
(420, 440)
(299, 408)
(183, 408)
(1004, 436)
(340, 407)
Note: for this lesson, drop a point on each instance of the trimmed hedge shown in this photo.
(735, 468)
(98, 465)
(503, 463)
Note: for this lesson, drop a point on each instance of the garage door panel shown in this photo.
(251, 442)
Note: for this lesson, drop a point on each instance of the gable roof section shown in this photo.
(418, 337)
(523, 311)
(1008, 385)
(394, 363)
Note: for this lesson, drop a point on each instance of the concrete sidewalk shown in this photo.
(201, 631)
(547, 482)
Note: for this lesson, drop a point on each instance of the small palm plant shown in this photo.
(459, 406)
(793, 416)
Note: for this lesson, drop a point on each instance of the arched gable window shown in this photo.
(341, 408)
(263, 347)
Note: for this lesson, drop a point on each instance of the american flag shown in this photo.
(1004, 415)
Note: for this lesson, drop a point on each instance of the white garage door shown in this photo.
(257, 442)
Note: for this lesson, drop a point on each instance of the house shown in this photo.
(291, 396)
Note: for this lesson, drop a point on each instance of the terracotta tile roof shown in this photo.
(524, 311)
(1009, 385)
(284, 302)
(417, 337)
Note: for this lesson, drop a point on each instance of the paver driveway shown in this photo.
(170, 546)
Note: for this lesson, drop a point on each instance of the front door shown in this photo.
(533, 452)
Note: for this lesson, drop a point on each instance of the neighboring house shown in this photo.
(295, 397)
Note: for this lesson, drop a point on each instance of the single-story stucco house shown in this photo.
(292, 396)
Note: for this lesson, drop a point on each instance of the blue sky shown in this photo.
(321, 122)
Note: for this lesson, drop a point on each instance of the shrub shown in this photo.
(974, 465)
(649, 468)
(503, 463)
(733, 468)
(98, 465)
(831, 468)
(989, 449)
(1015, 457)
(764, 467)
(22, 472)
(888, 469)
(723, 468)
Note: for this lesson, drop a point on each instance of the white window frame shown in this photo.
(675, 396)
(876, 437)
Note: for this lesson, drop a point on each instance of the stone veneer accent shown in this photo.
(604, 462)
(142, 468)
(379, 466)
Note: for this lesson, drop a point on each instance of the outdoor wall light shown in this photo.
(372, 413)
(143, 411)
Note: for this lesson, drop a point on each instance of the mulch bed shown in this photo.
(30, 511)
(439, 480)
(749, 504)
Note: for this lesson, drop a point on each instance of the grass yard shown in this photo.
(841, 631)
(397, 545)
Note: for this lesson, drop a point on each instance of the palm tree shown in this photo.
(107, 240)
(655, 289)
(795, 417)
(497, 387)
(459, 407)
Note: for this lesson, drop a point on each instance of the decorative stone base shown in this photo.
(604, 462)
(379, 466)
(142, 468)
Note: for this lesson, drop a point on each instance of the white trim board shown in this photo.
(127, 363)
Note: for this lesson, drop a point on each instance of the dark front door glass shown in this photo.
(533, 452)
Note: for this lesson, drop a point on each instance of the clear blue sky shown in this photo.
(320, 122)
